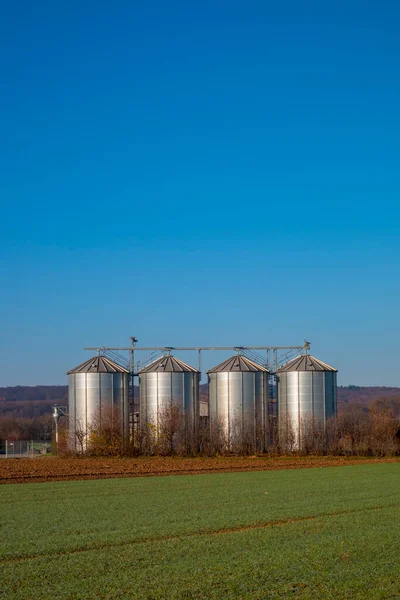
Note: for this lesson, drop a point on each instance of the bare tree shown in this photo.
(78, 436)
(288, 435)
(106, 435)
(355, 431)
(218, 438)
(171, 430)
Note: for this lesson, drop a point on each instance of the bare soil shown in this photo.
(61, 469)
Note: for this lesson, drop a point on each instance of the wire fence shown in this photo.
(23, 448)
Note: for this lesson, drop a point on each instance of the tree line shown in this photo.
(356, 431)
(21, 428)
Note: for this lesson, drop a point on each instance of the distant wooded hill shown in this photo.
(31, 401)
(365, 395)
(34, 401)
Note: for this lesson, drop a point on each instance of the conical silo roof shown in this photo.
(168, 364)
(238, 364)
(98, 364)
(305, 362)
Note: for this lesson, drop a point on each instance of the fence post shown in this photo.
(6, 448)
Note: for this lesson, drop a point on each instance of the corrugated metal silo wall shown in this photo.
(305, 396)
(91, 393)
(238, 404)
(159, 391)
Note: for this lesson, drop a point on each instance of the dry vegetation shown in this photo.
(359, 430)
(374, 432)
(26, 428)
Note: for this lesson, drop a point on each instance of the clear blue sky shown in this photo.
(208, 173)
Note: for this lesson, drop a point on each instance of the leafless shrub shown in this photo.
(171, 430)
(383, 429)
(288, 437)
(246, 437)
(273, 442)
(312, 436)
(146, 439)
(354, 432)
(106, 433)
(218, 443)
(77, 438)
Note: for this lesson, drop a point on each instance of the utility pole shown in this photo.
(58, 412)
(132, 355)
(132, 379)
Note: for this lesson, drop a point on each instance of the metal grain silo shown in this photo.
(164, 385)
(238, 403)
(96, 388)
(306, 396)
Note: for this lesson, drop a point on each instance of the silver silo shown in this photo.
(306, 396)
(238, 403)
(165, 383)
(96, 386)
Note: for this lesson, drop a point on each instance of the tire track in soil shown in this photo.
(193, 534)
(51, 469)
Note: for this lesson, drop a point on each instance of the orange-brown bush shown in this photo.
(354, 432)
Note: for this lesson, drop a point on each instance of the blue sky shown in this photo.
(209, 173)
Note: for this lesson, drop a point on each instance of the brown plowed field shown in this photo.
(61, 469)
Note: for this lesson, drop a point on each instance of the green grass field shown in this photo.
(312, 533)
